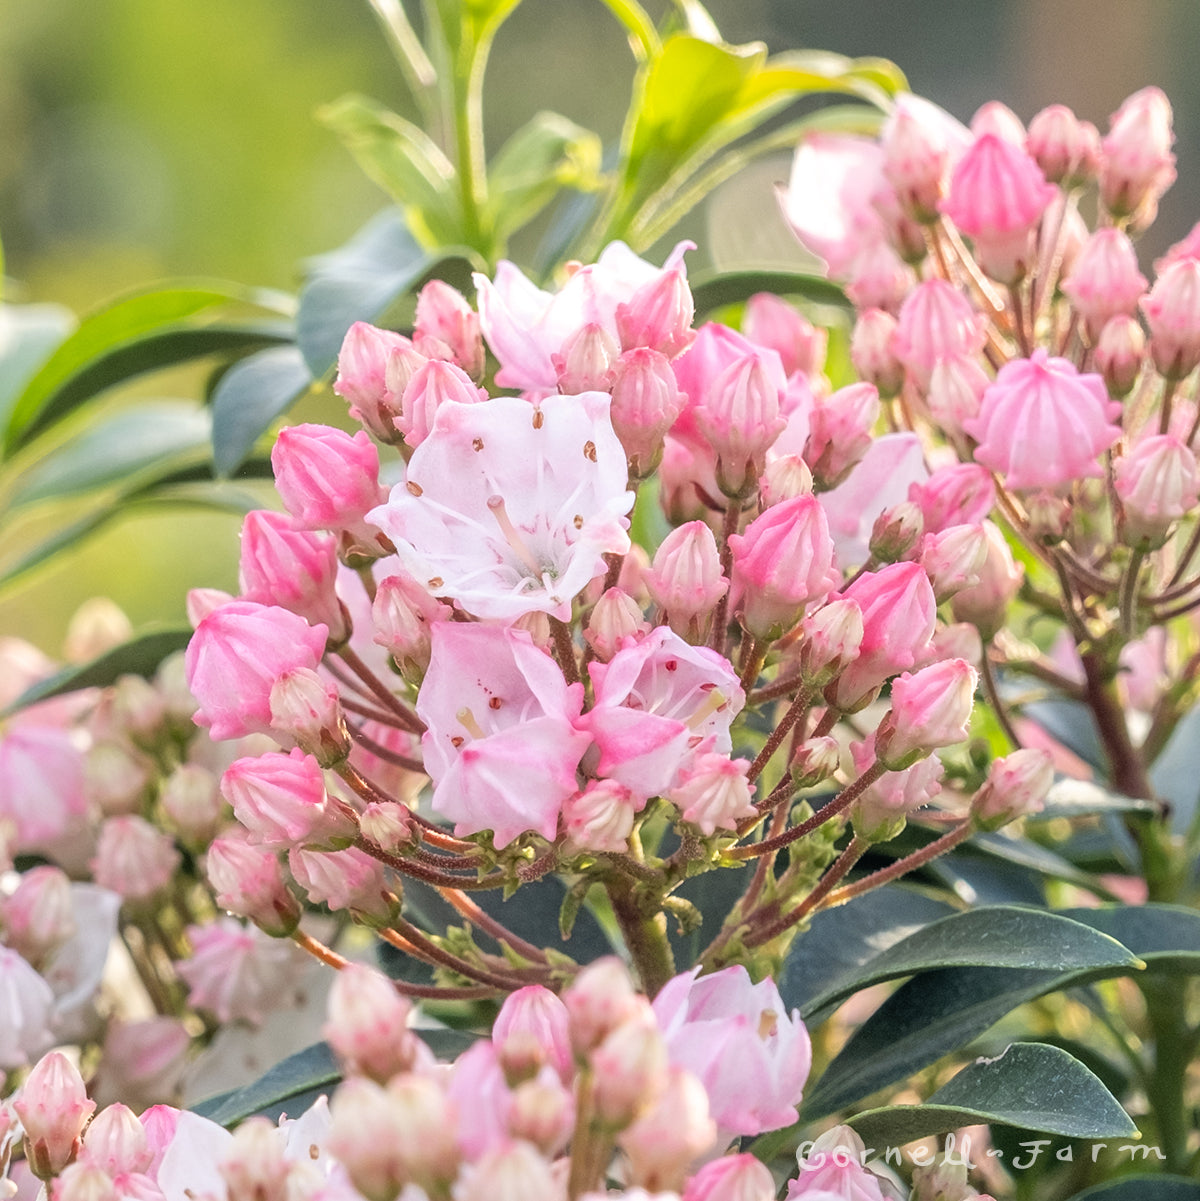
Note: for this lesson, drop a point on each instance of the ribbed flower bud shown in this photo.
(1104, 279)
(1120, 353)
(388, 825)
(814, 762)
(599, 999)
(368, 1024)
(53, 1107)
(714, 794)
(348, 879)
(133, 858)
(840, 428)
(956, 387)
(658, 315)
(896, 532)
(872, 354)
(670, 1136)
(248, 881)
(615, 617)
(600, 818)
(1066, 149)
(916, 158)
(36, 918)
(1173, 314)
(685, 578)
(542, 1112)
(116, 781)
(443, 314)
(830, 639)
(1137, 166)
(254, 1164)
(1158, 483)
(362, 378)
(954, 558)
(935, 320)
(306, 710)
(1016, 785)
(586, 361)
(532, 1031)
(741, 1177)
(509, 1172)
(402, 614)
(630, 1068)
(784, 478)
(369, 1136)
(646, 400)
(116, 1142)
(772, 322)
(190, 797)
(433, 384)
(930, 709)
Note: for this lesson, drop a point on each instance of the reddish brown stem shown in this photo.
(894, 871)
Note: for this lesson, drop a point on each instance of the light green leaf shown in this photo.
(643, 37)
(249, 397)
(28, 335)
(119, 447)
(1032, 1086)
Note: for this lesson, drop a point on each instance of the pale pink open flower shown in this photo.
(525, 326)
(1044, 402)
(509, 508)
(738, 1038)
(501, 748)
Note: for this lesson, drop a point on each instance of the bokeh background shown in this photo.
(148, 138)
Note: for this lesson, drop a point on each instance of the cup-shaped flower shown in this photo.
(500, 746)
(898, 612)
(53, 1106)
(237, 654)
(930, 709)
(1044, 402)
(782, 564)
(751, 1055)
(525, 327)
(658, 703)
(508, 507)
(1158, 482)
(281, 800)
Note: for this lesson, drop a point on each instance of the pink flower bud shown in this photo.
(53, 1107)
(785, 478)
(248, 881)
(370, 1138)
(306, 712)
(530, 1031)
(253, 1164)
(872, 353)
(930, 709)
(388, 825)
(998, 120)
(673, 1134)
(997, 196)
(368, 1024)
(1173, 314)
(137, 709)
(443, 314)
(830, 639)
(879, 279)
(1104, 279)
(741, 1177)
(615, 617)
(600, 818)
(935, 320)
(782, 564)
(142, 1061)
(542, 1112)
(1016, 785)
(898, 612)
(985, 604)
(293, 569)
(191, 799)
(896, 532)
(959, 494)
(235, 657)
(402, 614)
(916, 157)
(133, 858)
(281, 800)
(362, 377)
(328, 479)
(1137, 166)
(953, 558)
(1120, 353)
(770, 321)
(658, 315)
(586, 361)
(37, 917)
(840, 432)
(630, 1068)
(88, 1182)
(598, 1000)
(203, 601)
(685, 578)
(815, 761)
(1066, 149)
(432, 385)
(1158, 482)
(513, 1172)
(713, 794)
(116, 1142)
(646, 400)
(116, 781)
(348, 879)
(428, 1148)
(740, 416)
(881, 812)
(1044, 402)
(956, 388)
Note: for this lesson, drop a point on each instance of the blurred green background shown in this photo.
(147, 138)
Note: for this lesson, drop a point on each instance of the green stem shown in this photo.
(1166, 1008)
(644, 929)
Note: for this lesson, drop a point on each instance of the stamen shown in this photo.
(713, 702)
(768, 1021)
(512, 535)
(466, 719)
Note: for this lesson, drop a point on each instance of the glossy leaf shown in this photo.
(1175, 773)
(117, 448)
(732, 287)
(840, 942)
(992, 937)
(403, 160)
(134, 334)
(1165, 937)
(139, 656)
(1030, 1085)
(29, 334)
(250, 395)
(363, 281)
(1143, 1188)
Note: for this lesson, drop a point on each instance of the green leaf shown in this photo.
(61, 540)
(133, 334)
(403, 160)
(1165, 937)
(994, 936)
(839, 942)
(119, 447)
(1142, 1188)
(643, 37)
(28, 335)
(548, 153)
(732, 287)
(139, 656)
(363, 281)
(1082, 798)
(1029, 1085)
(249, 397)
